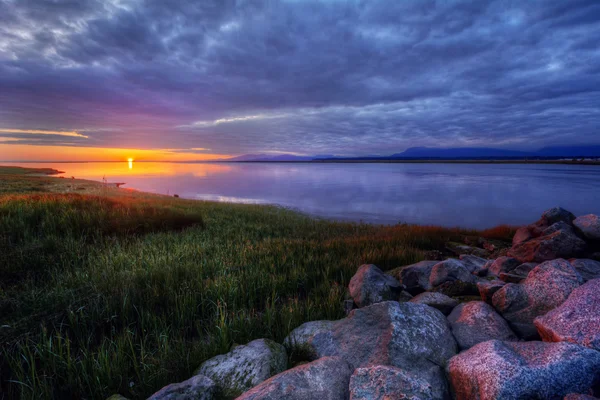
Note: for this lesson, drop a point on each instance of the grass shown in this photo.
(106, 290)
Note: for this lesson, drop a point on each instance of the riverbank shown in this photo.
(107, 290)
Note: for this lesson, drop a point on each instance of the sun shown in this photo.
(130, 162)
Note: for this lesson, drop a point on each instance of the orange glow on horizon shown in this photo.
(17, 152)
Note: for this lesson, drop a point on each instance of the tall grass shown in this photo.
(128, 293)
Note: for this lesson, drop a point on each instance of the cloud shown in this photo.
(43, 132)
(314, 76)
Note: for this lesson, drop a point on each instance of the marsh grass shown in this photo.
(125, 292)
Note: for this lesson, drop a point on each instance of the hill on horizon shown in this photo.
(451, 153)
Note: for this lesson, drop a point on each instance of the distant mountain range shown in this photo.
(452, 153)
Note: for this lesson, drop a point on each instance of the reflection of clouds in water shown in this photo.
(225, 199)
(469, 195)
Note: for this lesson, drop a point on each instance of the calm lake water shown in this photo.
(467, 195)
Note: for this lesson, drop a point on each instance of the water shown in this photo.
(466, 195)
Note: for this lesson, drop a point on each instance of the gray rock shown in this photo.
(476, 322)
(415, 277)
(436, 300)
(577, 320)
(511, 278)
(503, 264)
(547, 286)
(386, 383)
(405, 335)
(488, 288)
(523, 370)
(450, 270)
(198, 387)
(297, 342)
(557, 214)
(245, 366)
(473, 263)
(561, 243)
(589, 225)
(370, 285)
(324, 379)
(524, 269)
(588, 269)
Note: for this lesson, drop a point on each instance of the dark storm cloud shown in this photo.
(333, 76)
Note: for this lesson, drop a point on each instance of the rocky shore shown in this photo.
(525, 325)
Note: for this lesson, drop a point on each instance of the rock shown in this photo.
(574, 396)
(557, 214)
(524, 269)
(324, 379)
(404, 296)
(245, 366)
(577, 320)
(558, 226)
(477, 322)
(487, 289)
(562, 243)
(459, 248)
(405, 335)
(473, 263)
(436, 300)
(503, 264)
(370, 285)
(457, 288)
(546, 287)
(588, 269)
(349, 306)
(589, 225)
(511, 278)
(450, 270)
(415, 277)
(386, 383)
(198, 387)
(523, 370)
(297, 342)
(523, 234)
(116, 397)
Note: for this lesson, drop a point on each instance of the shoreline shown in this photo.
(340, 161)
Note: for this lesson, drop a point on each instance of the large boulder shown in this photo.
(382, 382)
(405, 335)
(546, 287)
(577, 320)
(436, 300)
(589, 225)
(523, 370)
(370, 285)
(560, 241)
(503, 264)
(588, 269)
(415, 277)
(198, 387)
(324, 379)
(245, 366)
(450, 270)
(549, 217)
(556, 214)
(476, 322)
(473, 263)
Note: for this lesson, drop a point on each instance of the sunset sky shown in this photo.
(183, 79)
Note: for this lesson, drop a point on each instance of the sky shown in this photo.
(187, 79)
